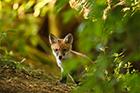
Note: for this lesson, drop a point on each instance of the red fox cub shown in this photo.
(62, 49)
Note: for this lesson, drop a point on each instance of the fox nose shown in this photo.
(60, 57)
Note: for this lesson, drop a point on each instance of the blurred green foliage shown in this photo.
(108, 33)
(19, 27)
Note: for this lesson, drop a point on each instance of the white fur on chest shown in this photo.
(59, 62)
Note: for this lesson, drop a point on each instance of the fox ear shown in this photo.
(52, 38)
(68, 38)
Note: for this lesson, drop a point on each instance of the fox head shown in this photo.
(61, 47)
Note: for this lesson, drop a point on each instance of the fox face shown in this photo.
(61, 47)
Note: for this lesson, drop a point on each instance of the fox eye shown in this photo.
(64, 50)
(55, 49)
